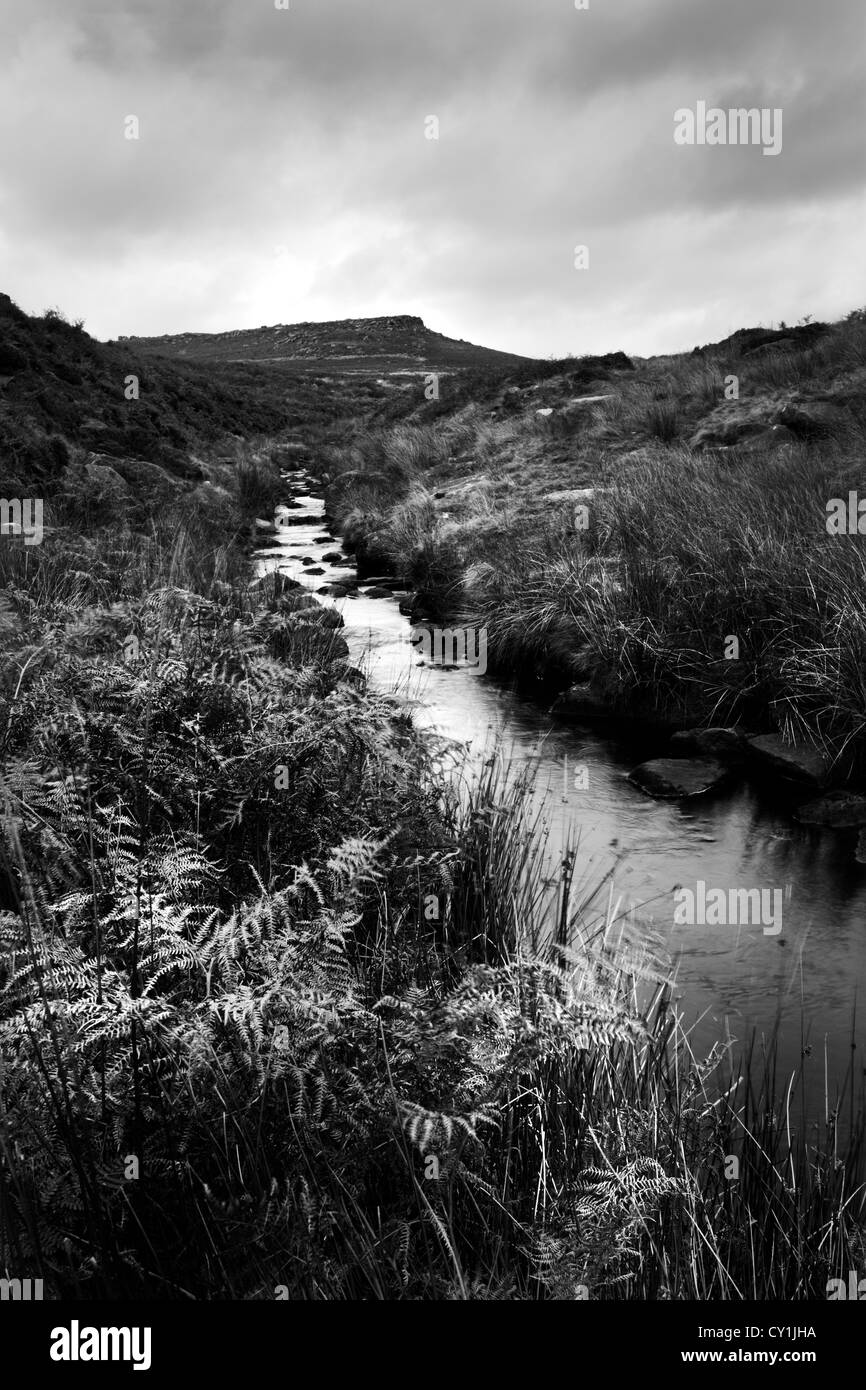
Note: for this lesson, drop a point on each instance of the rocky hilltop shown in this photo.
(392, 343)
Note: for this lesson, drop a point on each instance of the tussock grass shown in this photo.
(684, 550)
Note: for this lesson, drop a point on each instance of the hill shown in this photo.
(394, 344)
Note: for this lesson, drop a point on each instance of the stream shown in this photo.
(809, 978)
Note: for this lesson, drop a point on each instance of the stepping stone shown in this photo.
(672, 778)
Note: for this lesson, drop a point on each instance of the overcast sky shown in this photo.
(282, 171)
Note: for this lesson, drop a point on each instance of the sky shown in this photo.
(284, 169)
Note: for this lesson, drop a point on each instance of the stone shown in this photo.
(773, 437)
(797, 762)
(281, 583)
(377, 592)
(325, 617)
(142, 476)
(726, 431)
(674, 778)
(334, 557)
(837, 810)
(105, 484)
(813, 419)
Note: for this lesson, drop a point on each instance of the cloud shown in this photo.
(304, 129)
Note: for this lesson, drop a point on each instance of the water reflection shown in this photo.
(731, 979)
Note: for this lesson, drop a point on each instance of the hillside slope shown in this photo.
(61, 391)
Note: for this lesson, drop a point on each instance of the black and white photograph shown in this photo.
(432, 674)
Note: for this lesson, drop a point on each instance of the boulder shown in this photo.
(773, 437)
(314, 569)
(146, 479)
(810, 419)
(789, 760)
(674, 778)
(333, 590)
(300, 601)
(837, 810)
(297, 519)
(325, 617)
(726, 429)
(333, 557)
(106, 484)
(279, 584)
(377, 592)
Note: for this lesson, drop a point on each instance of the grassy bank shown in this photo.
(626, 540)
(286, 1012)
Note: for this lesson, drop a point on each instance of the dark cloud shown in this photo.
(282, 170)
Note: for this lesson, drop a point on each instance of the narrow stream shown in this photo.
(810, 976)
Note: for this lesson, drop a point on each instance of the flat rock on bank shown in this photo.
(800, 763)
(672, 778)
